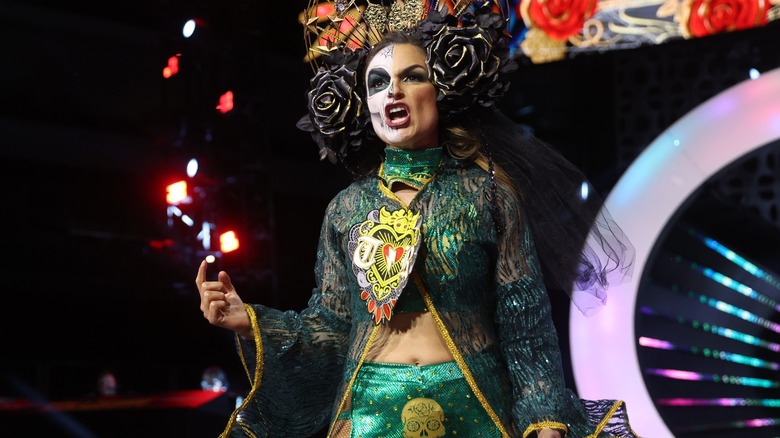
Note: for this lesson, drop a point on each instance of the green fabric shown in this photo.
(487, 288)
(430, 401)
(411, 167)
(410, 300)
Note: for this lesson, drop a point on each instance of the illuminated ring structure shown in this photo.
(711, 136)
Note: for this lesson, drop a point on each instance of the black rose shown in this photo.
(332, 101)
(429, 28)
(463, 66)
(336, 115)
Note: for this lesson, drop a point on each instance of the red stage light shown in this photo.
(176, 193)
(225, 102)
(228, 241)
(172, 68)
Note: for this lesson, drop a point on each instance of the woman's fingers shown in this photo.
(201, 277)
(211, 292)
(215, 298)
(211, 297)
(216, 307)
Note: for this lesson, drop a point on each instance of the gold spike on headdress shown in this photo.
(353, 24)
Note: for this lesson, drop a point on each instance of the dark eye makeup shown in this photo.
(377, 80)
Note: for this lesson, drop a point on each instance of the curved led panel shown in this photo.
(719, 131)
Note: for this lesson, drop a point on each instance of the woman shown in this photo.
(430, 316)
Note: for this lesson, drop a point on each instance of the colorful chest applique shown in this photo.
(384, 248)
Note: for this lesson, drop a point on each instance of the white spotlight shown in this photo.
(188, 29)
(192, 167)
(584, 191)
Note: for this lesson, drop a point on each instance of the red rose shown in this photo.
(559, 19)
(707, 17)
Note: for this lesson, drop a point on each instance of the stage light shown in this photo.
(214, 379)
(107, 384)
(176, 193)
(175, 211)
(189, 28)
(653, 191)
(173, 66)
(205, 235)
(225, 102)
(584, 191)
(192, 167)
(228, 241)
(192, 26)
(159, 245)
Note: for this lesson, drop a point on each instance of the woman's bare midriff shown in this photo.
(409, 338)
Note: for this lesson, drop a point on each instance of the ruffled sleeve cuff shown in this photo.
(255, 376)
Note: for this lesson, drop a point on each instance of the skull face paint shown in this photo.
(401, 98)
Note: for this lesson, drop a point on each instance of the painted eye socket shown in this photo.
(380, 83)
(377, 81)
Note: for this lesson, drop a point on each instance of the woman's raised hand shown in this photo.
(220, 303)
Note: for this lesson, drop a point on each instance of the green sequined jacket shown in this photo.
(483, 287)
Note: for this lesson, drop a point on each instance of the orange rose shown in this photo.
(559, 19)
(707, 17)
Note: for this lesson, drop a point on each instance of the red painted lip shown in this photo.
(400, 116)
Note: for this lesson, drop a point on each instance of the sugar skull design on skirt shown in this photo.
(407, 401)
(422, 417)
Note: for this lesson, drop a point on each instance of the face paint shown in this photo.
(401, 98)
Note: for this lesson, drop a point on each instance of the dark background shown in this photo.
(91, 133)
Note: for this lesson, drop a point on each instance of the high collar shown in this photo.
(411, 167)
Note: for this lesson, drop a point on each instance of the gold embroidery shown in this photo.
(259, 362)
(603, 423)
(384, 248)
(348, 389)
(458, 357)
(546, 425)
(422, 417)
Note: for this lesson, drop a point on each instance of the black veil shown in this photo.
(582, 250)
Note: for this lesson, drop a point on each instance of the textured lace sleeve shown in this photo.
(528, 337)
(296, 365)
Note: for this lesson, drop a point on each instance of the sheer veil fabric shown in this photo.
(582, 250)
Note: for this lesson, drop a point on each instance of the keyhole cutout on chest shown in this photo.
(405, 193)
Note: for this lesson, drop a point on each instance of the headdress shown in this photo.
(467, 55)
(580, 248)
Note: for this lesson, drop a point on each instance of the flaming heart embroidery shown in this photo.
(392, 254)
(384, 248)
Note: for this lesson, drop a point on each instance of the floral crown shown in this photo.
(467, 55)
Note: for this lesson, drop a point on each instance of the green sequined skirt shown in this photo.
(399, 401)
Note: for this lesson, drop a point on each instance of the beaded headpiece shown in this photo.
(467, 55)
